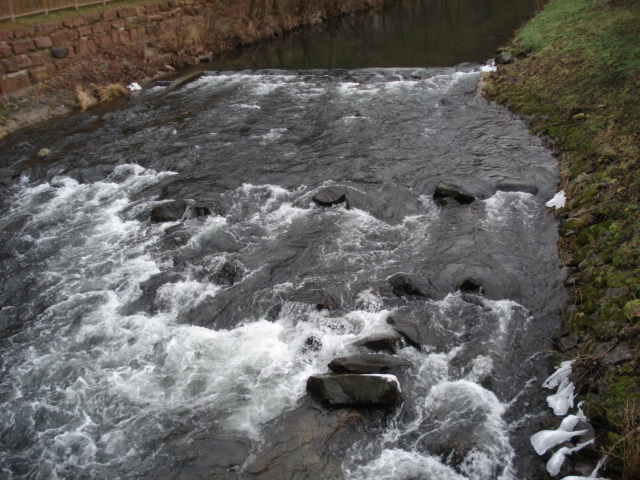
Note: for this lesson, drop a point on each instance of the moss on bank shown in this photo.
(577, 77)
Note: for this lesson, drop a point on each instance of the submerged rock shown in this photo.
(417, 334)
(229, 273)
(385, 342)
(471, 285)
(367, 363)
(352, 389)
(517, 186)
(169, 212)
(447, 191)
(403, 285)
(8, 177)
(331, 196)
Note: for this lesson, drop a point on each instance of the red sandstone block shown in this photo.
(2, 72)
(74, 22)
(16, 63)
(85, 31)
(24, 32)
(99, 28)
(40, 58)
(155, 18)
(174, 3)
(201, 9)
(43, 42)
(140, 10)
(14, 83)
(87, 47)
(40, 74)
(91, 18)
(5, 50)
(104, 40)
(109, 15)
(152, 8)
(135, 33)
(61, 38)
(47, 28)
(6, 35)
(23, 46)
(190, 10)
(189, 2)
(62, 65)
(127, 12)
(118, 25)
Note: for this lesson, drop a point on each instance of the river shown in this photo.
(180, 349)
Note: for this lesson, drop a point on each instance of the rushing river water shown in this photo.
(134, 348)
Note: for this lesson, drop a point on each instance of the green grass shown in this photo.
(578, 78)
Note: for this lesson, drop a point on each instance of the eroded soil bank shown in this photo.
(576, 76)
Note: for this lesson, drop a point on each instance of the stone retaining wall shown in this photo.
(29, 55)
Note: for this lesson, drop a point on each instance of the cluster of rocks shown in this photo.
(359, 380)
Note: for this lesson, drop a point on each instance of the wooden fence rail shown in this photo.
(19, 8)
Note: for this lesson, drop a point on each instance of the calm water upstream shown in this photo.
(134, 348)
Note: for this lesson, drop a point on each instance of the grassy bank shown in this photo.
(226, 25)
(577, 77)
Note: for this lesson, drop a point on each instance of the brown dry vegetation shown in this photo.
(226, 25)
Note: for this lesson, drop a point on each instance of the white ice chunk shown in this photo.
(562, 400)
(134, 87)
(561, 374)
(555, 462)
(558, 201)
(547, 439)
(569, 423)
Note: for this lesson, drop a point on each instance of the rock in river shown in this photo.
(447, 191)
(352, 389)
(331, 196)
(368, 363)
(169, 212)
(391, 342)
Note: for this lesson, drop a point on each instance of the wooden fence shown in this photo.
(18, 8)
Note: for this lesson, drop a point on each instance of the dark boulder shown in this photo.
(448, 193)
(331, 196)
(403, 285)
(414, 332)
(229, 273)
(202, 211)
(352, 389)
(368, 363)
(382, 343)
(471, 285)
(8, 177)
(169, 212)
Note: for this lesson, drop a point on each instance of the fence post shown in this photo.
(11, 11)
(45, 7)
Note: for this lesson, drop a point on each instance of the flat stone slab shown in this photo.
(182, 81)
(391, 342)
(376, 390)
(367, 363)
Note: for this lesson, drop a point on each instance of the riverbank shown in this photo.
(158, 49)
(576, 76)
